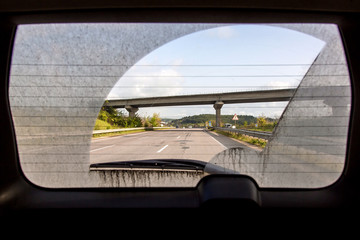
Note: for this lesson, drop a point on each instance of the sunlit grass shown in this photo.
(252, 140)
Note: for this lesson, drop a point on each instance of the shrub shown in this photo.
(102, 125)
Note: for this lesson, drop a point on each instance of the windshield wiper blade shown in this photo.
(158, 164)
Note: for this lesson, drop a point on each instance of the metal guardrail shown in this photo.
(125, 129)
(258, 134)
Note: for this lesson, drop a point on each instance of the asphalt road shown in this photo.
(194, 144)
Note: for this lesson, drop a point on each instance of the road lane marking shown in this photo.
(101, 148)
(218, 141)
(162, 149)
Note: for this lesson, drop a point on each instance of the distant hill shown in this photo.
(167, 119)
(202, 118)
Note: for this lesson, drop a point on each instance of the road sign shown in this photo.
(209, 123)
(235, 118)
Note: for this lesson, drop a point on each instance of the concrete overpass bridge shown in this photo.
(215, 99)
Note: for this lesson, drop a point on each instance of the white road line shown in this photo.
(218, 141)
(101, 148)
(162, 149)
(178, 137)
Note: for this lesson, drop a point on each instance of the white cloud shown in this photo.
(278, 84)
(150, 83)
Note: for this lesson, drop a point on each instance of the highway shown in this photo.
(279, 164)
(191, 144)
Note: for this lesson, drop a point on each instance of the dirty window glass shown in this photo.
(163, 105)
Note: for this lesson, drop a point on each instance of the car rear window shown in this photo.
(164, 105)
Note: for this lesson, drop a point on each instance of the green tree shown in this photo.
(116, 118)
(146, 122)
(155, 121)
(245, 123)
(103, 115)
(261, 121)
(134, 121)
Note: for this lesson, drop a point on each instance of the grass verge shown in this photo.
(111, 134)
(252, 140)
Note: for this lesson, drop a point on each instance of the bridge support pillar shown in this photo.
(132, 110)
(218, 106)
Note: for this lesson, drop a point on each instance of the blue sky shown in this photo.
(222, 59)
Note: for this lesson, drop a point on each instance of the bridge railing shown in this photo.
(257, 134)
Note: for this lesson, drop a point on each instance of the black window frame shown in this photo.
(231, 191)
